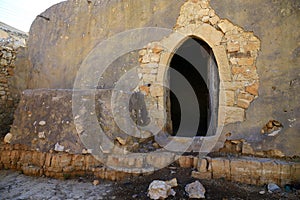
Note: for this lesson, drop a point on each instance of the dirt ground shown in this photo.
(14, 185)
(215, 189)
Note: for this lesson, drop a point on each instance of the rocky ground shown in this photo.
(14, 185)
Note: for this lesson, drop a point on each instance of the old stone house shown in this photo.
(130, 85)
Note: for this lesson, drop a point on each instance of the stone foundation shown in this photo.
(257, 171)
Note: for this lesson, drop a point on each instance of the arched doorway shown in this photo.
(194, 111)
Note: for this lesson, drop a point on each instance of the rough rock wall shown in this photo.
(12, 42)
(71, 29)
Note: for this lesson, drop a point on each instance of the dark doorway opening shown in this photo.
(193, 109)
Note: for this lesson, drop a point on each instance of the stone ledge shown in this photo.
(250, 170)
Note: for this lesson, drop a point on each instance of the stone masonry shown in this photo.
(258, 171)
(235, 50)
(10, 41)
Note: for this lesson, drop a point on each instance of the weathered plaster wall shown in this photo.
(276, 24)
(44, 119)
(75, 27)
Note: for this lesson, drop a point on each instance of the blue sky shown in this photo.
(21, 13)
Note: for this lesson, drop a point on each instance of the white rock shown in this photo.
(58, 147)
(262, 192)
(42, 135)
(160, 190)
(42, 123)
(195, 190)
(274, 133)
(7, 138)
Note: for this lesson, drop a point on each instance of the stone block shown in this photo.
(295, 172)
(225, 25)
(25, 158)
(214, 20)
(186, 161)
(195, 162)
(203, 165)
(90, 162)
(245, 73)
(253, 89)
(14, 158)
(223, 63)
(245, 96)
(5, 157)
(232, 85)
(243, 103)
(146, 59)
(150, 71)
(149, 78)
(209, 34)
(136, 161)
(113, 161)
(245, 61)
(52, 174)
(157, 91)
(38, 158)
(285, 173)
(220, 168)
(160, 159)
(245, 171)
(227, 98)
(233, 47)
(204, 4)
(233, 114)
(157, 49)
(155, 58)
(32, 171)
(203, 12)
(68, 169)
(145, 89)
(202, 175)
(62, 160)
(78, 162)
(270, 172)
(252, 46)
(247, 149)
(55, 169)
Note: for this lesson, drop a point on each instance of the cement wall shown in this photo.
(75, 27)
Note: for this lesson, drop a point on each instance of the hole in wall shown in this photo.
(194, 61)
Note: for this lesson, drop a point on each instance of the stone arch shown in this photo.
(235, 52)
(205, 33)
